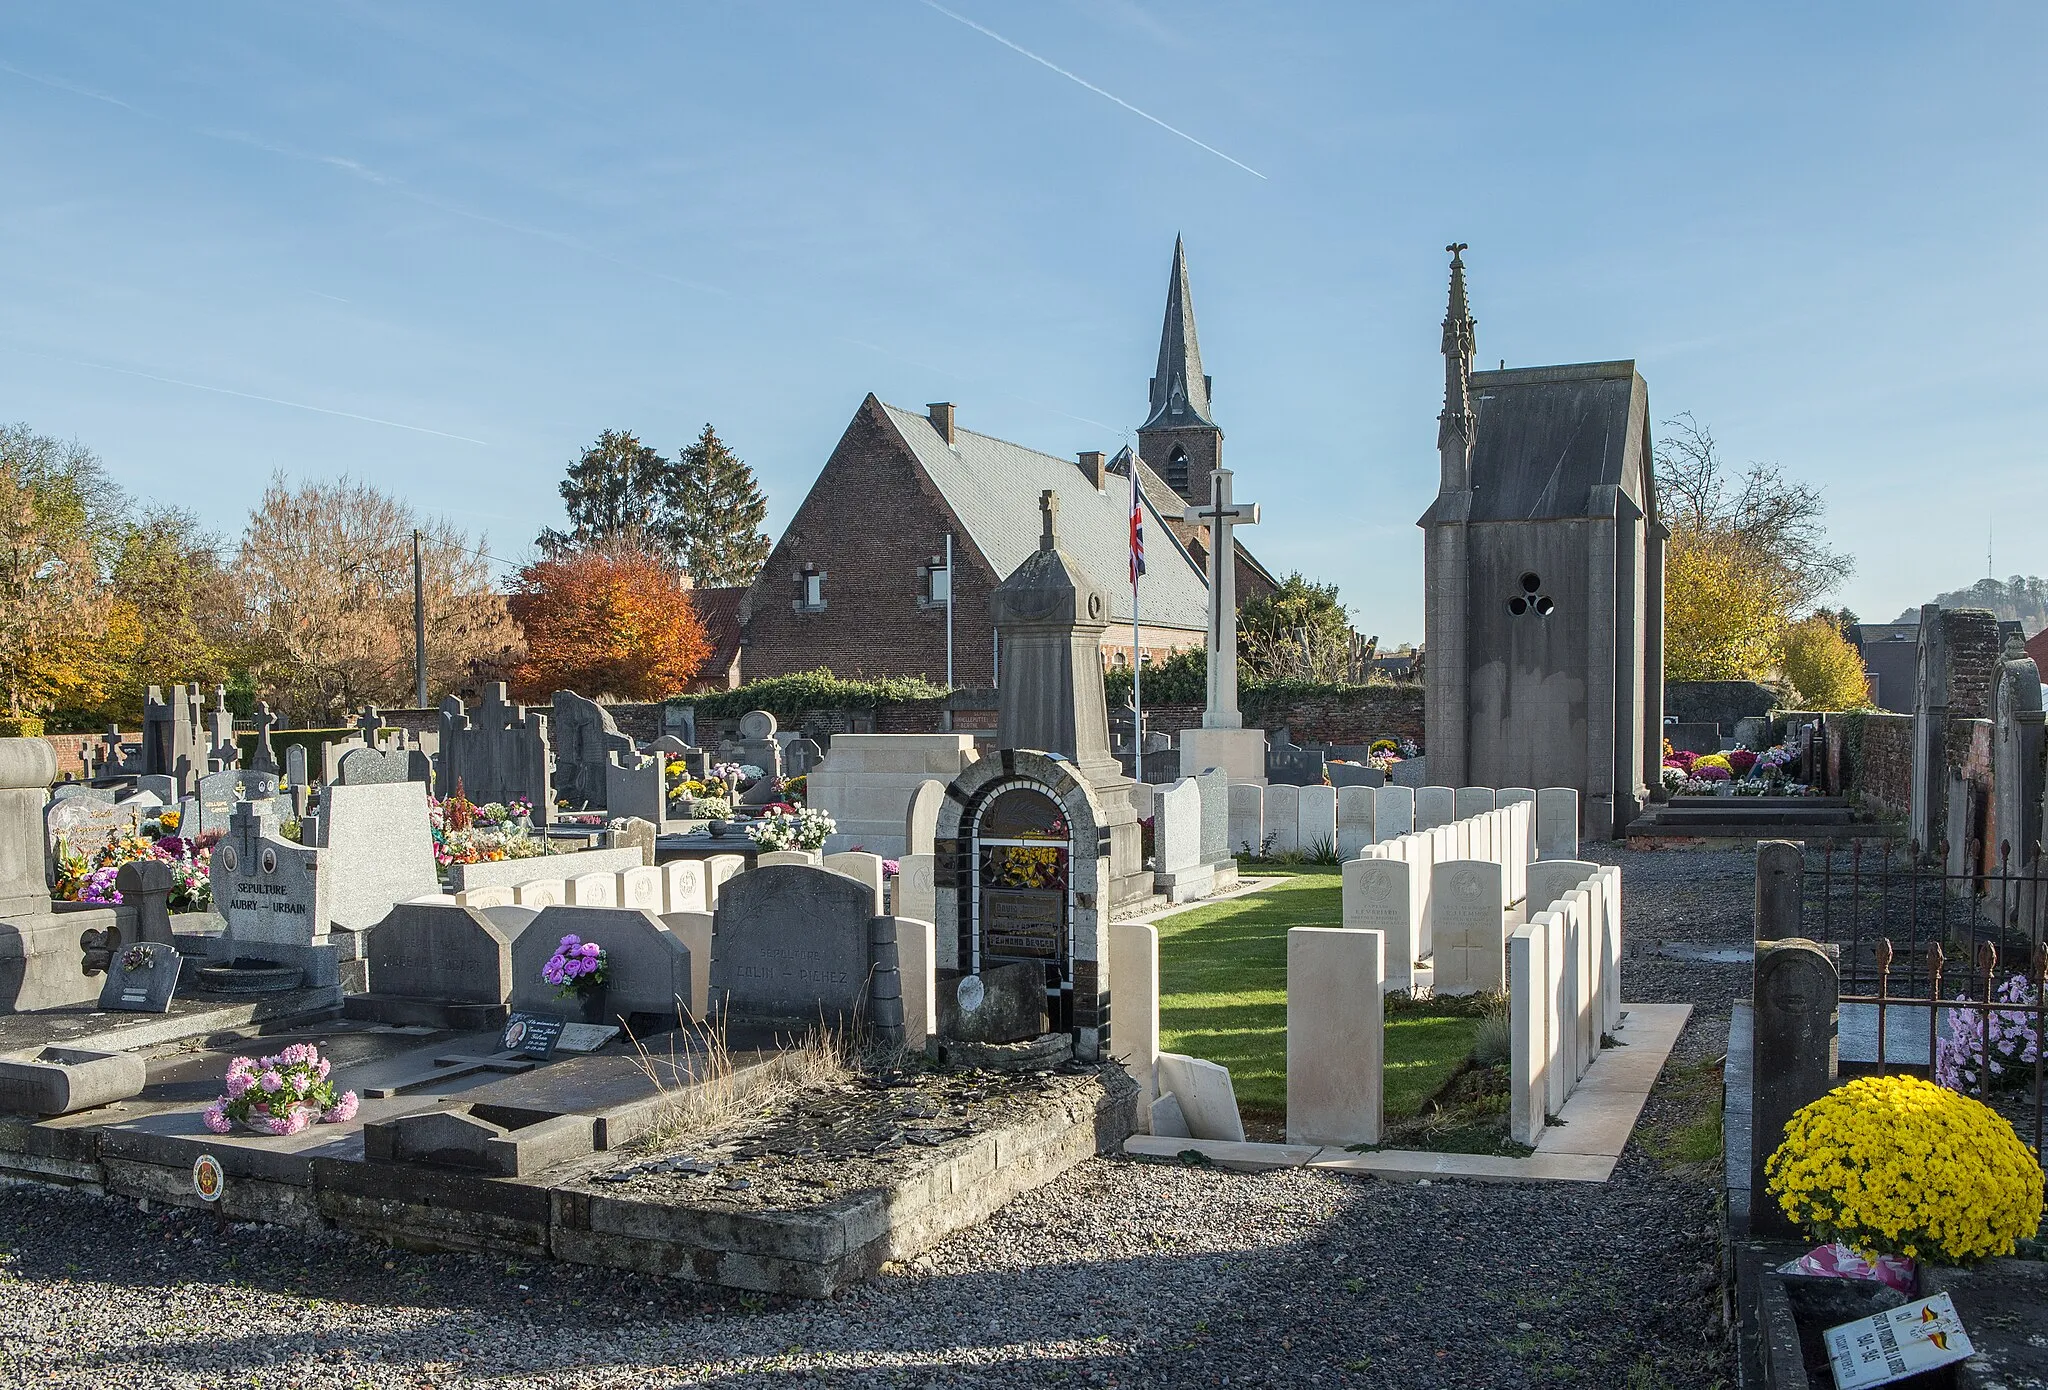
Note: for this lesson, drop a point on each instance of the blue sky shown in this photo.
(510, 226)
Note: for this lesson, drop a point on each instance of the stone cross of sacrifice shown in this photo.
(1221, 515)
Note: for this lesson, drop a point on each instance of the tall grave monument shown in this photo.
(1037, 843)
(1543, 576)
(1223, 741)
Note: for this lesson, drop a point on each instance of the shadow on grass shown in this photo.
(1223, 996)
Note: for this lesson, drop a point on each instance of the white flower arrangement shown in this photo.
(803, 829)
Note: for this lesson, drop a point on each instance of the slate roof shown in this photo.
(1180, 392)
(719, 611)
(993, 485)
(1547, 435)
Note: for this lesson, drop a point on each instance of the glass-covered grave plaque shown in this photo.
(1022, 843)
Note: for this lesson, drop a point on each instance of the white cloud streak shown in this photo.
(1082, 81)
(247, 396)
(72, 87)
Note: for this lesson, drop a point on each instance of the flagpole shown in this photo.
(1137, 661)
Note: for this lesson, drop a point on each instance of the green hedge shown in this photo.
(20, 726)
(312, 740)
(788, 696)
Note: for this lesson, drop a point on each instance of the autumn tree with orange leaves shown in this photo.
(609, 620)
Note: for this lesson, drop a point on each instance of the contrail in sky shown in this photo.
(248, 396)
(1071, 77)
(73, 88)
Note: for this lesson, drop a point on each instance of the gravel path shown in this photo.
(1119, 1273)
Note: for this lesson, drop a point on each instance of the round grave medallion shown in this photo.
(228, 857)
(972, 992)
(207, 1178)
(758, 726)
(269, 861)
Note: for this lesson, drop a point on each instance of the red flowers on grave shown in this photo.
(280, 1095)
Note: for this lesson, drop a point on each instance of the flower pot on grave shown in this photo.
(591, 1005)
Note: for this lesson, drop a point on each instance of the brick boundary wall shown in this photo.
(1883, 774)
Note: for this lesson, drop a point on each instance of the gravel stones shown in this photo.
(1117, 1273)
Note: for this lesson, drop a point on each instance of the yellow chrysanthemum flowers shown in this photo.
(1896, 1165)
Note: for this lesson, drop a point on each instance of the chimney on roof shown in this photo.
(1093, 467)
(941, 413)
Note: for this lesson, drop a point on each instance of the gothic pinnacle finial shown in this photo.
(1049, 506)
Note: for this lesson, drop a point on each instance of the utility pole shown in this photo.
(419, 623)
(949, 610)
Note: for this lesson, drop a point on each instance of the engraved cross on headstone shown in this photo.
(1221, 515)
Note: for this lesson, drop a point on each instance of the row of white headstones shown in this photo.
(1462, 896)
(1280, 819)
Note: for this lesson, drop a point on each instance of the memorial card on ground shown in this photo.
(531, 1035)
(586, 1037)
(1897, 1343)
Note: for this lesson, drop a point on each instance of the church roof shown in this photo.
(1180, 392)
(993, 485)
(1546, 436)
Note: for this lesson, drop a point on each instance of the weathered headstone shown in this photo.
(1557, 823)
(1315, 820)
(648, 966)
(642, 888)
(636, 786)
(585, 738)
(1793, 1057)
(922, 819)
(791, 943)
(1472, 801)
(1247, 818)
(1779, 865)
(593, 890)
(438, 952)
(634, 833)
(1214, 788)
(1435, 806)
(862, 866)
(1528, 1031)
(1207, 1099)
(1336, 1036)
(1134, 981)
(1551, 879)
(1379, 895)
(1178, 870)
(141, 978)
(218, 793)
(1354, 820)
(364, 767)
(500, 753)
(1283, 816)
(686, 887)
(1393, 813)
(915, 889)
(84, 823)
(1468, 903)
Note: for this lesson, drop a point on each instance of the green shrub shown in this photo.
(785, 697)
(20, 726)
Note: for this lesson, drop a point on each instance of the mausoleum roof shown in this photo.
(1547, 436)
(993, 485)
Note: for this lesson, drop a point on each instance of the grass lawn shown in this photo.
(1223, 997)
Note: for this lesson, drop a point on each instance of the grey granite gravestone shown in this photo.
(1177, 867)
(1354, 775)
(295, 765)
(271, 892)
(790, 944)
(141, 979)
(63, 791)
(1292, 766)
(1779, 864)
(1795, 999)
(585, 737)
(367, 767)
(648, 966)
(145, 889)
(637, 786)
(376, 848)
(436, 953)
(218, 793)
(499, 753)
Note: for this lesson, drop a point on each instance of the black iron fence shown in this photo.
(1959, 937)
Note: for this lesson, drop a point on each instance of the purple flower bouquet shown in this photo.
(575, 967)
(280, 1095)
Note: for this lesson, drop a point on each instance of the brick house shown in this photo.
(858, 582)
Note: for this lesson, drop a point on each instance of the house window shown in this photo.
(1177, 471)
(935, 583)
(810, 590)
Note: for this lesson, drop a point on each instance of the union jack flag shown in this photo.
(1137, 519)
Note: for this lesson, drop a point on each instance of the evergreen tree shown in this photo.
(621, 490)
(721, 513)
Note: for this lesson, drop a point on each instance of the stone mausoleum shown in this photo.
(1544, 573)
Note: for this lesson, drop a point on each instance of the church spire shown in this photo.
(1180, 392)
(1454, 425)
